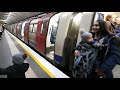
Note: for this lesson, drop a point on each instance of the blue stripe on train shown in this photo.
(58, 59)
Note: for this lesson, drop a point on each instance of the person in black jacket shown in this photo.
(18, 69)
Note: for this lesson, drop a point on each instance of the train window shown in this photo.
(34, 28)
(31, 28)
(43, 28)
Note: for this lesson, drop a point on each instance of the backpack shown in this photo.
(83, 64)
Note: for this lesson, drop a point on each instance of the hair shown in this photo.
(108, 17)
(102, 30)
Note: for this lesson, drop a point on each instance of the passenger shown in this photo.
(0, 32)
(117, 21)
(99, 32)
(18, 69)
(112, 56)
(110, 26)
(87, 41)
(3, 28)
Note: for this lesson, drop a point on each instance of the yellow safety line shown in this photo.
(45, 69)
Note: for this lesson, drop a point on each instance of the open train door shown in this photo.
(51, 35)
(71, 40)
(62, 30)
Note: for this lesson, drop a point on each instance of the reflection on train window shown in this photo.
(43, 27)
(31, 27)
(34, 28)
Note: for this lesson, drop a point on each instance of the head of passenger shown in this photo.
(109, 17)
(19, 58)
(117, 20)
(86, 36)
(99, 29)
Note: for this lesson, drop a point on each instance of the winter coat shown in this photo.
(114, 44)
(15, 71)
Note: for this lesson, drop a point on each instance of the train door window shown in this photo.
(43, 27)
(35, 28)
(99, 16)
(53, 34)
(31, 28)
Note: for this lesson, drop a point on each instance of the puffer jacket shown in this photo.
(15, 71)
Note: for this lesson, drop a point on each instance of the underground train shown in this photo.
(55, 34)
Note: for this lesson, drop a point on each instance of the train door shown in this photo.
(61, 35)
(12, 28)
(26, 31)
(32, 32)
(22, 31)
(71, 40)
(19, 30)
(15, 30)
(41, 33)
(51, 35)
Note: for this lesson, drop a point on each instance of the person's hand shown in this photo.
(76, 53)
(100, 73)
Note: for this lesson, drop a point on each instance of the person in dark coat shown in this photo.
(18, 69)
(112, 56)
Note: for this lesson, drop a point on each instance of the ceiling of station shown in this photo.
(13, 17)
